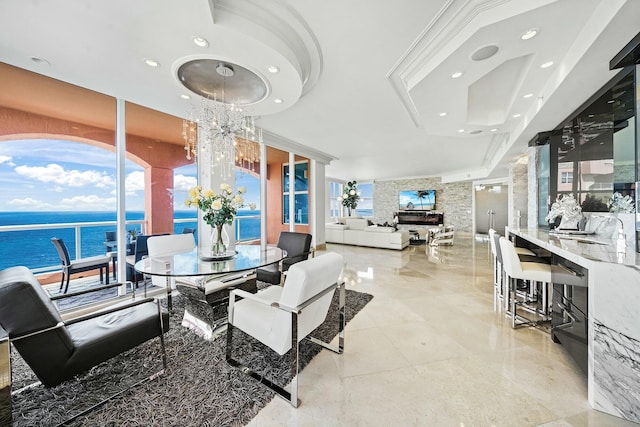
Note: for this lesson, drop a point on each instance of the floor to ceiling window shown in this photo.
(300, 191)
(365, 204)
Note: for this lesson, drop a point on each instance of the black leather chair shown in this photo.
(55, 349)
(298, 247)
(110, 240)
(111, 246)
(189, 230)
(140, 251)
(79, 265)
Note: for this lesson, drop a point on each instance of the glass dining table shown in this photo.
(200, 267)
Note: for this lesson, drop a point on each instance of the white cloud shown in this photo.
(29, 203)
(7, 160)
(183, 182)
(62, 152)
(72, 178)
(134, 182)
(77, 203)
(87, 203)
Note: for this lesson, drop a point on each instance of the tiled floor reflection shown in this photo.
(429, 350)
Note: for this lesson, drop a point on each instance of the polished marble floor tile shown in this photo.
(430, 350)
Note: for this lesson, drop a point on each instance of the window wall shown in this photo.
(592, 153)
(335, 207)
(365, 204)
(300, 190)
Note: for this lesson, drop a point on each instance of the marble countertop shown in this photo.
(578, 248)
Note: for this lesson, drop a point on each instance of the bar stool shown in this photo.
(523, 253)
(532, 272)
(497, 268)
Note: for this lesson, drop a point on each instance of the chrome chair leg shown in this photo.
(294, 367)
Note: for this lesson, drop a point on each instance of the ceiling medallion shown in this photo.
(485, 52)
(219, 128)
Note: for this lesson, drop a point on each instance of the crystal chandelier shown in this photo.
(227, 135)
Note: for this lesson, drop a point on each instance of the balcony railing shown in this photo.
(30, 244)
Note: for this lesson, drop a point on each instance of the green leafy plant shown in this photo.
(350, 195)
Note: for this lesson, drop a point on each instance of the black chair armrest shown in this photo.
(111, 310)
(86, 291)
(289, 261)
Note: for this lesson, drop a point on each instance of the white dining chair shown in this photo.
(280, 317)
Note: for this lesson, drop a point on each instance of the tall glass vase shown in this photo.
(219, 240)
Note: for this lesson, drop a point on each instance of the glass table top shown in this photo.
(196, 263)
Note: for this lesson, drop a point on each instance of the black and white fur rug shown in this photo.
(198, 389)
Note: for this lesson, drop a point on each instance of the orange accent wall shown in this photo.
(158, 203)
(275, 200)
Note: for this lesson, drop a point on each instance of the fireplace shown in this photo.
(420, 217)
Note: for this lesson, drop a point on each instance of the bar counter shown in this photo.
(613, 315)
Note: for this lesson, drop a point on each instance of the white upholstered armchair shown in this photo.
(280, 317)
(443, 236)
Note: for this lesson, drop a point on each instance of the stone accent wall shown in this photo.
(454, 199)
(518, 194)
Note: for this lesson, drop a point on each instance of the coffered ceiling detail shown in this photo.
(366, 83)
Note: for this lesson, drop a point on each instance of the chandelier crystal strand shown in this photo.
(226, 135)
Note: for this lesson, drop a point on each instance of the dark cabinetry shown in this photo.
(420, 217)
(570, 315)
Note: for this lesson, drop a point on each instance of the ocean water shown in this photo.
(33, 248)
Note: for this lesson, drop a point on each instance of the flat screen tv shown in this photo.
(418, 200)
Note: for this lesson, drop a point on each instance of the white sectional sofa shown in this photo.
(357, 231)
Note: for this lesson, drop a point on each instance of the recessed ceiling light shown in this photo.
(515, 116)
(456, 74)
(443, 114)
(38, 60)
(185, 96)
(273, 69)
(494, 130)
(278, 101)
(610, 101)
(460, 130)
(527, 95)
(152, 62)
(529, 34)
(547, 64)
(200, 41)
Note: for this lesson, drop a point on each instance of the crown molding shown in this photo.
(276, 141)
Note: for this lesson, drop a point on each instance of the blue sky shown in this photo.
(54, 175)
